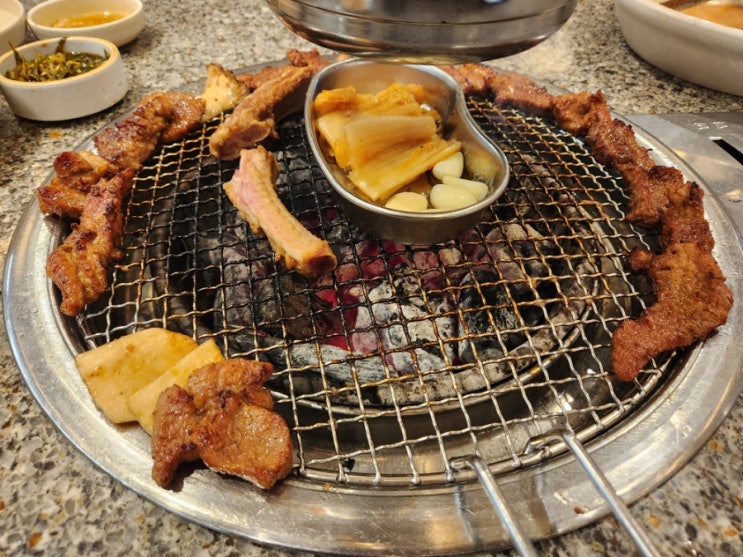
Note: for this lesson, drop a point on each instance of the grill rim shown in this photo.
(33, 240)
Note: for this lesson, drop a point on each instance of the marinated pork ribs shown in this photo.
(273, 90)
(252, 191)
(91, 188)
(160, 118)
(75, 174)
(225, 418)
(693, 298)
(692, 301)
(79, 266)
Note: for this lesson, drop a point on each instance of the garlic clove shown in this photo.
(407, 201)
(453, 165)
(449, 197)
(478, 189)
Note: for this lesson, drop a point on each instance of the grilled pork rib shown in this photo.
(252, 191)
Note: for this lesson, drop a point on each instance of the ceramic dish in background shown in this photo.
(694, 49)
(12, 24)
(68, 98)
(87, 18)
(483, 160)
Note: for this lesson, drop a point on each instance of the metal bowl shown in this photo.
(425, 31)
(483, 159)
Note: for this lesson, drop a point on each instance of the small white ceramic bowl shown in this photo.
(12, 24)
(42, 19)
(69, 98)
(699, 51)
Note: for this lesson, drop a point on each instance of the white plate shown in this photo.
(699, 51)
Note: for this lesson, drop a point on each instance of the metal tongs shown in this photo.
(521, 541)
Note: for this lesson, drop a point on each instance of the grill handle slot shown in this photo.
(518, 537)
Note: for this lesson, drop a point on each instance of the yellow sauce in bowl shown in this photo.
(86, 20)
(723, 14)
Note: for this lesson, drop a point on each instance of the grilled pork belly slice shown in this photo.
(252, 191)
(224, 417)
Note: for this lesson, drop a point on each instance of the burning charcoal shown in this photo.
(290, 309)
(487, 308)
(402, 320)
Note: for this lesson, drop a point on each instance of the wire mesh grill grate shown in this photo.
(406, 356)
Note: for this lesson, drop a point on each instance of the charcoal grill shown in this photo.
(408, 361)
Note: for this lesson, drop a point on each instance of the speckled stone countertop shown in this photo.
(53, 501)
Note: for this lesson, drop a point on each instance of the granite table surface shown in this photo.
(54, 501)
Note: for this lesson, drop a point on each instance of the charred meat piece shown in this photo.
(75, 174)
(254, 118)
(245, 377)
(160, 118)
(613, 143)
(652, 191)
(79, 266)
(472, 78)
(88, 187)
(508, 89)
(252, 191)
(577, 113)
(516, 90)
(692, 301)
(224, 417)
(298, 58)
(684, 221)
(306, 58)
(692, 297)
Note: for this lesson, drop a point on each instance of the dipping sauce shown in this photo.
(86, 20)
(58, 65)
(723, 14)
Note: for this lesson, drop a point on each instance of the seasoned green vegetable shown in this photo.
(55, 66)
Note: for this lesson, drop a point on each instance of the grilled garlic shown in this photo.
(478, 189)
(450, 166)
(447, 197)
(454, 192)
(407, 201)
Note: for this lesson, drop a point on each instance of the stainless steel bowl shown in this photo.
(425, 31)
(483, 159)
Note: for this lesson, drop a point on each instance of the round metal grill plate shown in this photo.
(373, 471)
